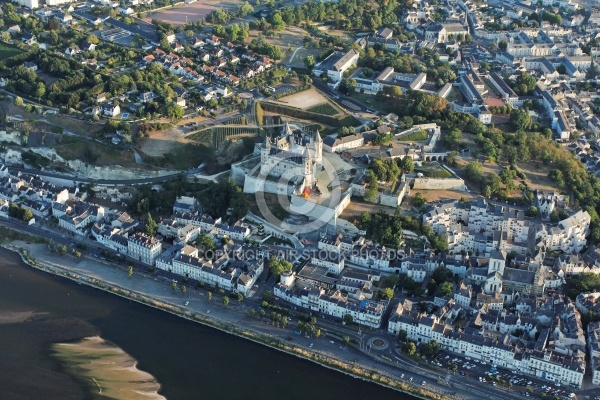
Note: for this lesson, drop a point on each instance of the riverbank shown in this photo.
(101, 276)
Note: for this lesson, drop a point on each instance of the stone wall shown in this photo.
(439, 184)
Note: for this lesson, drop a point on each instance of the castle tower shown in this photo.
(318, 149)
(265, 149)
(308, 166)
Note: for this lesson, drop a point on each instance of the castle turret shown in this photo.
(318, 149)
(265, 149)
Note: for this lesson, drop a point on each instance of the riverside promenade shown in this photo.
(234, 318)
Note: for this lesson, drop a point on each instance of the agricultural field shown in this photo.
(8, 51)
(325, 109)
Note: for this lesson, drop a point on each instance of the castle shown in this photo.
(289, 162)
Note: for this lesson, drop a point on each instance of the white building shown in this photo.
(143, 248)
(336, 64)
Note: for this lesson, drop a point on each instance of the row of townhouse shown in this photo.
(228, 271)
(233, 229)
(330, 302)
(593, 342)
(497, 348)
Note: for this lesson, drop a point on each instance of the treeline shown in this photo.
(423, 107)
(567, 172)
(22, 213)
(346, 14)
(386, 229)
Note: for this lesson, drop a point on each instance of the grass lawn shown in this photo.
(414, 137)
(7, 51)
(324, 108)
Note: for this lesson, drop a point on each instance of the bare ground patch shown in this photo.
(305, 99)
(160, 143)
(537, 176)
(357, 207)
(177, 16)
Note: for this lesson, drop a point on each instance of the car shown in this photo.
(402, 376)
(410, 379)
(187, 302)
(310, 345)
(208, 312)
(331, 341)
(423, 384)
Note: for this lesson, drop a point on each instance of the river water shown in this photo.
(188, 360)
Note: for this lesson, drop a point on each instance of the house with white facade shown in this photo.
(143, 248)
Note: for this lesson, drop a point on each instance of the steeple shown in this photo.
(318, 137)
(266, 142)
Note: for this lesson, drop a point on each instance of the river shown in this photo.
(188, 360)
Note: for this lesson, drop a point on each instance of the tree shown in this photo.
(252, 313)
(27, 215)
(261, 314)
(474, 171)
(348, 318)
(407, 165)
(151, 226)
(419, 200)
(240, 297)
(532, 211)
(452, 139)
(225, 301)
(209, 296)
(130, 271)
(5, 36)
(62, 249)
(410, 348)
(387, 293)
(446, 289)
(309, 62)
(245, 9)
(174, 285)
(525, 83)
(174, 111)
(18, 101)
(440, 242)
(372, 191)
(346, 340)
(278, 266)
(183, 289)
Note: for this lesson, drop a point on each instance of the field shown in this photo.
(305, 100)
(177, 16)
(325, 109)
(7, 51)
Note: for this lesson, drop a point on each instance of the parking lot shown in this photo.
(487, 373)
